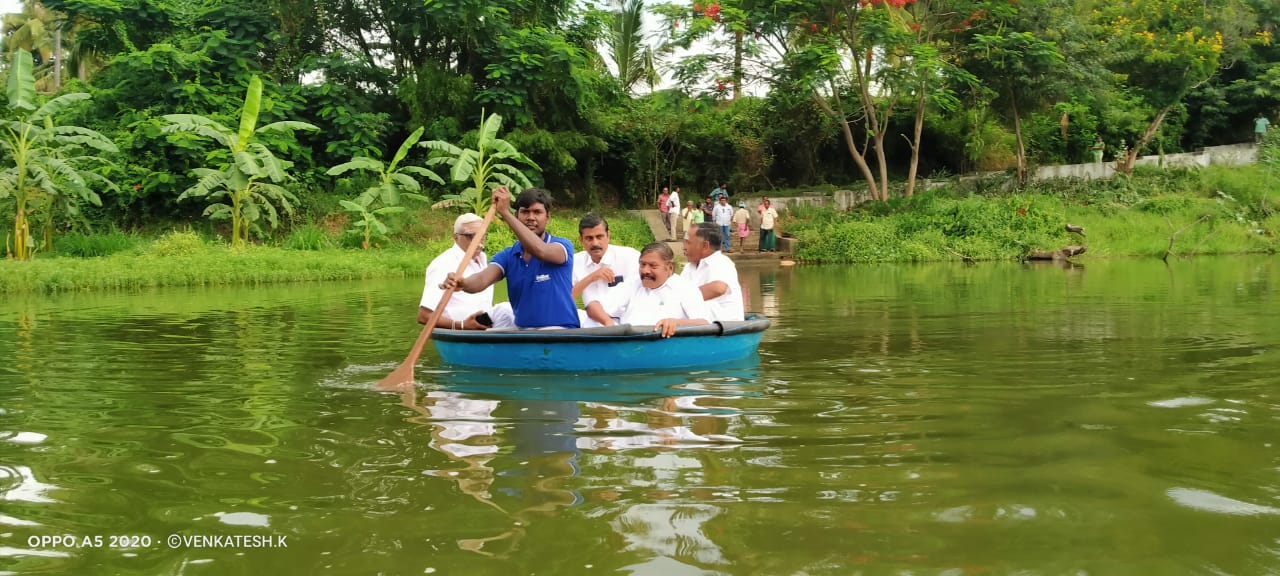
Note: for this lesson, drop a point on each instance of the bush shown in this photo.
(307, 237)
(94, 245)
(177, 243)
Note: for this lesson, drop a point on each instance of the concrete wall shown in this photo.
(1230, 155)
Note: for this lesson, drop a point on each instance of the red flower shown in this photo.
(915, 27)
(697, 8)
(137, 186)
(813, 27)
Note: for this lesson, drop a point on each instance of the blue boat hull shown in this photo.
(602, 349)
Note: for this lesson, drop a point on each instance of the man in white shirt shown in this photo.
(713, 273)
(600, 268)
(723, 216)
(463, 308)
(660, 298)
(674, 201)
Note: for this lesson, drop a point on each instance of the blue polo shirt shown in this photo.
(541, 293)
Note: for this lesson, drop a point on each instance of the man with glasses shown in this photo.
(463, 308)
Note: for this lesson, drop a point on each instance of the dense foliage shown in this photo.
(762, 94)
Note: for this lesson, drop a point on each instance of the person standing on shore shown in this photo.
(664, 208)
(674, 203)
(768, 221)
(1260, 127)
(1097, 149)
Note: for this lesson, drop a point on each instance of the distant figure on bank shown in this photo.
(674, 203)
(707, 207)
(601, 268)
(713, 273)
(661, 298)
(723, 214)
(1260, 127)
(1098, 147)
(692, 215)
(742, 222)
(768, 225)
(463, 309)
(664, 209)
(538, 267)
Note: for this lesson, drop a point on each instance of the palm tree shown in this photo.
(633, 59)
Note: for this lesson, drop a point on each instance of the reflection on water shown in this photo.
(1119, 418)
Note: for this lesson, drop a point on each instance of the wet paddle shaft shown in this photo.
(404, 374)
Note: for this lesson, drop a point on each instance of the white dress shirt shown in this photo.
(676, 298)
(718, 267)
(623, 260)
(723, 214)
(461, 305)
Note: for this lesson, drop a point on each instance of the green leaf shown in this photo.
(404, 148)
(489, 130)
(249, 113)
(357, 163)
(22, 85)
(423, 172)
(351, 206)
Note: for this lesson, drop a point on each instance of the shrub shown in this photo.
(93, 245)
(308, 237)
(177, 243)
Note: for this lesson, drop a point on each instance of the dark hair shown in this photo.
(661, 248)
(591, 221)
(532, 196)
(709, 232)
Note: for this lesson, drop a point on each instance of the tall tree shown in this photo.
(631, 57)
(1162, 49)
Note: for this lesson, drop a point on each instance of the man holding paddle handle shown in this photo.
(538, 267)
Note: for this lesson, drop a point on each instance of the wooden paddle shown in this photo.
(404, 374)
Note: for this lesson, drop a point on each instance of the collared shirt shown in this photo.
(541, 293)
(767, 217)
(676, 298)
(713, 268)
(664, 202)
(625, 262)
(741, 216)
(723, 214)
(461, 305)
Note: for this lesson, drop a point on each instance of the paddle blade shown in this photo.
(399, 378)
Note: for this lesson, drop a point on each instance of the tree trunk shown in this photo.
(57, 56)
(1125, 166)
(849, 143)
(1022, 148)
(915, 141)
(737, 64)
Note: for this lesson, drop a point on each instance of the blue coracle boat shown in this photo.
(609, 348)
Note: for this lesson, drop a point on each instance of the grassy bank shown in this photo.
(1215, 211)
(118, 260)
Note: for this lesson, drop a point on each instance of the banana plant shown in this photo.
(245, 187)
(51, 168)
(490, 164)
(395, 181)
(366, 221)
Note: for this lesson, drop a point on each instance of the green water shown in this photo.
(1120, 418)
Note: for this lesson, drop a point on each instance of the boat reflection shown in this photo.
(519, 443)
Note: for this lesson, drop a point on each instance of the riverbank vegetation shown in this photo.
(199, 257)
(1215, 210)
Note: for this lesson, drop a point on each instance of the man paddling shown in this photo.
(661, 298)
(538, 267)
